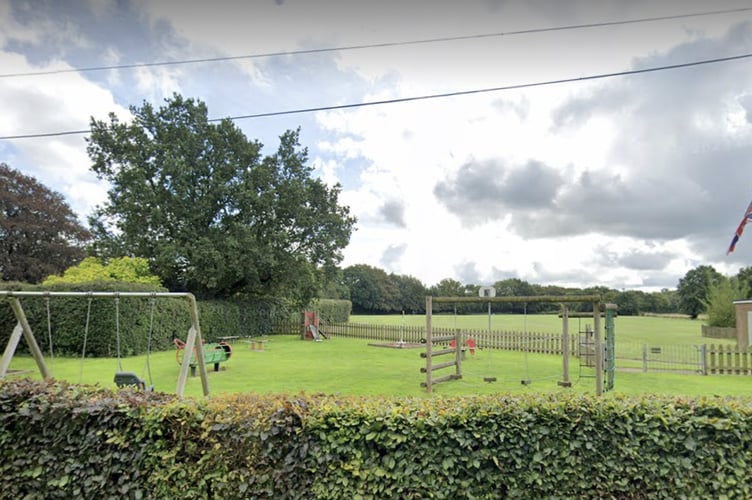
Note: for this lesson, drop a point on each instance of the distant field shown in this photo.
(629, 329)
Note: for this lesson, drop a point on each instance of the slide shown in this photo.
(316, 333)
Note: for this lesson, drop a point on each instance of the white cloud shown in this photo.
(62, 102)
(624, 182)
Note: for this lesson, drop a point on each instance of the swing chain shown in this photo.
(117, 330)
(49, 331)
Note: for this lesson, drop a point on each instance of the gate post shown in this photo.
(598, 349)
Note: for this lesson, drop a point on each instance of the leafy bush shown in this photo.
(720, 302)
(58, 440)
(91, 269)
(333, 311)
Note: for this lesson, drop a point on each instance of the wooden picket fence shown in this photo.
(534, 342)
(727, 360)
(705, 359)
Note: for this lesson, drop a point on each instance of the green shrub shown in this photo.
(720, 302)
(133, 318)
(332, 310)
(65, 320)
(92, 269)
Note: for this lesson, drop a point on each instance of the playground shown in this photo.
(335, 364)
(287, 365)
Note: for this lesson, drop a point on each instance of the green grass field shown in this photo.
(629, 329)
(351, 367)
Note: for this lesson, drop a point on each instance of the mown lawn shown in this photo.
(629, 329)
(351, 367)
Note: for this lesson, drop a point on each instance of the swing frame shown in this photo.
(22, 328)
(562, 299)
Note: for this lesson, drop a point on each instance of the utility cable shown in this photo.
(427, 96)
(373, 45)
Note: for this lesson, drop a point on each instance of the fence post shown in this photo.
(703, 359)
(599, 353)
(565, 382)
(429, 342)
(644, 357)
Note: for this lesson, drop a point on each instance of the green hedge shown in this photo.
(60, 441)
(332, 310)
(171, 319)
(243, 317)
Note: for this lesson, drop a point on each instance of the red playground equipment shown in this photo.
(470, 343)
(311, 330)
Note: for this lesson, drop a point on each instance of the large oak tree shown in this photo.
(693, 289)
(213, 214)
(39, 233)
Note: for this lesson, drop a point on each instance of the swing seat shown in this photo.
(127, 379)
(471, 345)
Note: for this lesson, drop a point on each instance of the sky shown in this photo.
(626, 181)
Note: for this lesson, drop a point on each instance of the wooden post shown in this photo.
(598, 349)
(429, 342)
(193, 340)
(565, 382)
(745, 362)
(10, 349)
(302, 325)
(458, 342)
(28, 335)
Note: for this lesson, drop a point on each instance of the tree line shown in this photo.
(374, 291)
(212, 214)
(702, 290)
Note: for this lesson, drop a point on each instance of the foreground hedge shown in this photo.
(61, 441)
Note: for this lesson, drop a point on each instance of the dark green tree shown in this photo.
(630, 302)
(448, 287)
(39, 233)
(693, 289)
(335, 287)
(514, 287)
(665, 301)
(744, 276)
(211, 213)
(412, 293)
(371, 290)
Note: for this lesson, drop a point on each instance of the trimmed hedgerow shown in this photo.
(58, 440)
(333, 310)
(171, 318)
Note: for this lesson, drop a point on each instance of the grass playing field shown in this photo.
(629, 329)
(351, 367)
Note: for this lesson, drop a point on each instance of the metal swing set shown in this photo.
(22, 329)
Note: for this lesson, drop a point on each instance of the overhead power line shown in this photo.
(429, 96)
(373, 45)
